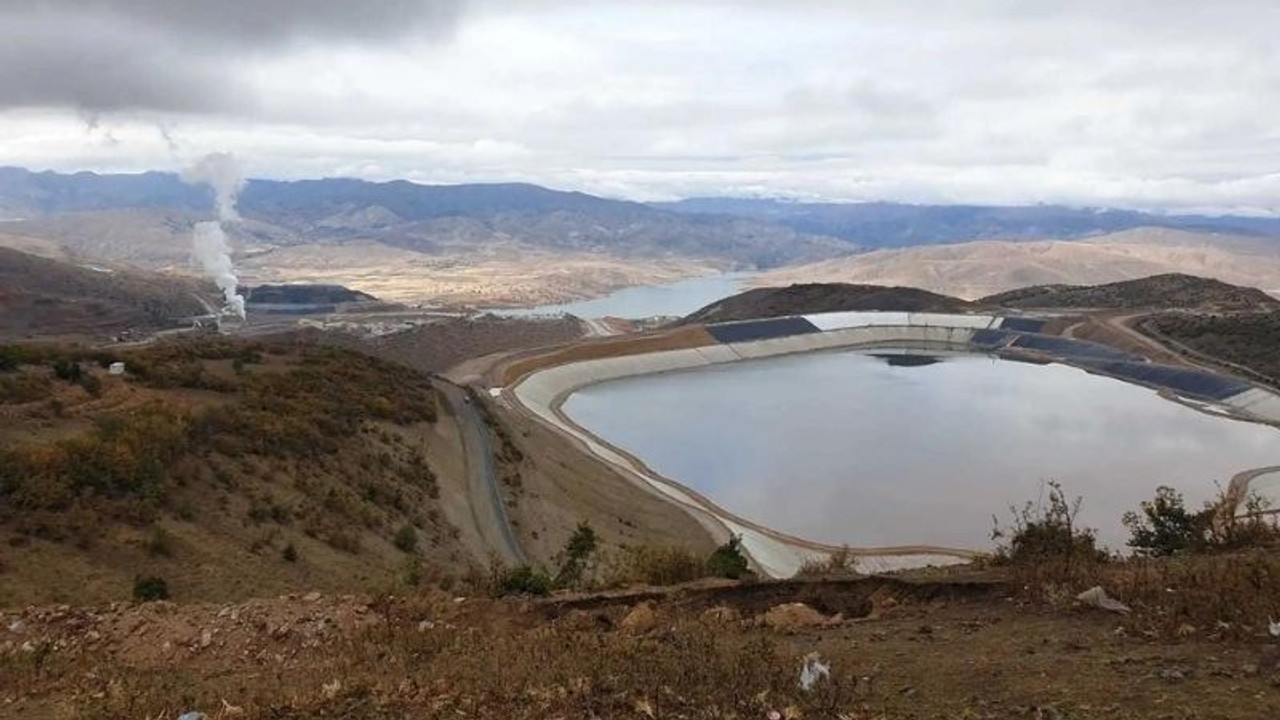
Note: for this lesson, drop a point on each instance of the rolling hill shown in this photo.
(50, 297)
(821, 298)
(978, 269)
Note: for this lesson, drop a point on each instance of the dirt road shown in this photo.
(487, 509)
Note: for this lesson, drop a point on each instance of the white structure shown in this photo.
(116, 368)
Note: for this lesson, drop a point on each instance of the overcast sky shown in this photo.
(1163, 104)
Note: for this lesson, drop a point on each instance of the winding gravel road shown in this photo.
(487, 509)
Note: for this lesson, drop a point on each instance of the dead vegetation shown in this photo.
(294, 461)
(1246, 340)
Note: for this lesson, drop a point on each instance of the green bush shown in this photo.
(150, 589)
(523, 580)
(1047, 529)
(577, 551)
(1165, 527)
(68, 370)
(290, 553)
(727, 561)
(406, 539)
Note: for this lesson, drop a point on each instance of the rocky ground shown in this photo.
(874, 649)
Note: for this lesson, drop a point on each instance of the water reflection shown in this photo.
(673, 299)
(850, 448)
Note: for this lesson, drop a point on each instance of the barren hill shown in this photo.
(1170, 290)
(823, 297)
(978, 269)
(54, 297)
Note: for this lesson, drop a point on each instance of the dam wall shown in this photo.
(542, 393)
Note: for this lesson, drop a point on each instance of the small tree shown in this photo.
(150, 589)
(1046, 529)
(67, 370)
(406, 539)
(523, 580)
(727, 561)
(1165, 527)
(577, 551)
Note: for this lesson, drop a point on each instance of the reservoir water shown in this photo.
(850, 448)
(643, 301)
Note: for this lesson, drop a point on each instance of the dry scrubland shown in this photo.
(1250, 340)
(228, 469)
(1008, 641)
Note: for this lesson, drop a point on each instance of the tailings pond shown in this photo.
(850, 448)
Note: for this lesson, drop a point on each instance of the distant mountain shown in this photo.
(422, 218)
(986, 267)
(886, 225)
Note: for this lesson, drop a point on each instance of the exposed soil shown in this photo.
(517, 366)
(892, 649)
(444, 343)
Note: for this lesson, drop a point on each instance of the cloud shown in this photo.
(177, 56)
(1147, 104)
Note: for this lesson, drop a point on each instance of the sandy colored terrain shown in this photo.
(503, 279)
(977, 269)
(33, 245)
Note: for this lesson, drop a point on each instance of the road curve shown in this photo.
(487, 509)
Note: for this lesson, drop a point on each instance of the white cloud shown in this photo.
(1143, 104)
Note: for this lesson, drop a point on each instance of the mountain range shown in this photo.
(886, 225)
(521, 244)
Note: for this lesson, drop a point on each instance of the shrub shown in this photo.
(91, 384)
(289, 554)
(577, 551)
(652, 565)
(1165, 527)
(1046, 529)
(67, 370)
(523, 580)
(727, 561)
(160, 544)
(839, 564)
(406, 539)
(25, 388)
(150, 589)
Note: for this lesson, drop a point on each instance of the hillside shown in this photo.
(52, 297)
(820, 298)
(978, 269)
(1159, 291)
(890, 225)
(229, 469)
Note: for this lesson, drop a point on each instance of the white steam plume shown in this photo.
(209, 244)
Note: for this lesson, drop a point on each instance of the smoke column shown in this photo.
(209, 244)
